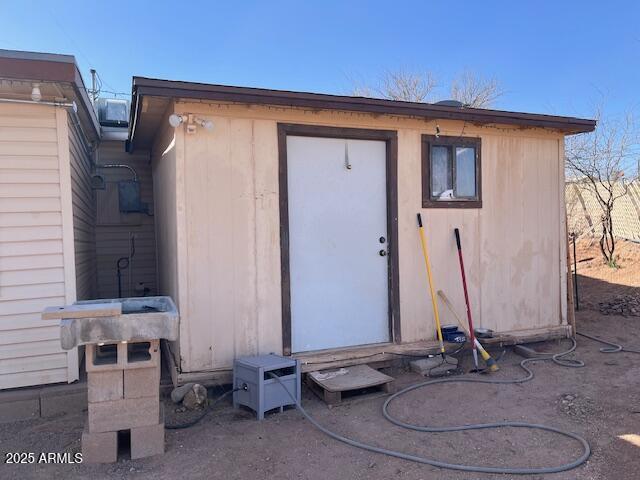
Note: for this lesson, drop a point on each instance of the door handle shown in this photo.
(382, 253)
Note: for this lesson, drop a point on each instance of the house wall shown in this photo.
(84, 212)
(229, 287)
(114, 229)
(37, 267)
(164, 158)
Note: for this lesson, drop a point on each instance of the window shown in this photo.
(451, 172)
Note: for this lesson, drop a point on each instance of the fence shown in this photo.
(584, 214)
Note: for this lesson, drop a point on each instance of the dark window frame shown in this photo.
(429, 141)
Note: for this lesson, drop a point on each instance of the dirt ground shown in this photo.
(600, 402)
(599, 283)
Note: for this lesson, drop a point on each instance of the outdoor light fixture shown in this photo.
(36, 95)
(208, 124)
(175, 120)
(437, 131)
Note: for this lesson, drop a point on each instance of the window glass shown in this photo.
(441, 174)
(465, 172)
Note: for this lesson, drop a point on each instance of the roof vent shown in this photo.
(450, 103)
(113, 112)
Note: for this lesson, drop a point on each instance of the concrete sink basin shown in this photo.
(141, 319)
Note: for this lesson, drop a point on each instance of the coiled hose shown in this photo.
(612, 348)
(556, 358)
(201, 415)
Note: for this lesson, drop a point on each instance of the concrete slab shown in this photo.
(142, 319)
(434, 366)
(26, 403)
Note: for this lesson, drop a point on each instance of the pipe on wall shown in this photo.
(71, 105)
(120, 165)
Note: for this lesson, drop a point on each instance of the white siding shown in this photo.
(33, 271)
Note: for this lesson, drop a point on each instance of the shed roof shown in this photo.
(165, 90)
(50, 69)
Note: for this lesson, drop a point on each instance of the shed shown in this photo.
(286, 221)
(48, 131)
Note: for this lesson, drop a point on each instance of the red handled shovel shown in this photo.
(466, 299)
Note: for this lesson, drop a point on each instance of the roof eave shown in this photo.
(166, 88)
(62, 69)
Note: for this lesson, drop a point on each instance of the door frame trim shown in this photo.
(390, 137)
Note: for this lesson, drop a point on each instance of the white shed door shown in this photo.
(337, 206)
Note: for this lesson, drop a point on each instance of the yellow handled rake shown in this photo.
(434, 302)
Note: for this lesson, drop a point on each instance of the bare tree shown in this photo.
(360, 88)
(407, 86)
(404, 85)
(475, 91)
(601, 162)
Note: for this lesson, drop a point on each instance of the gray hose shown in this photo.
(205, 410)
(455, 466)
(612, 348)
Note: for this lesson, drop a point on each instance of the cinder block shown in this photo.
(142, 382)
(149, 440)
(105, 386)
(99, 447)
(101, 358)
(123, 414)
(122, 355)
(140, 357)
(51, 405)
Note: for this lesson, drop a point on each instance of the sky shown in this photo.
(556, 57)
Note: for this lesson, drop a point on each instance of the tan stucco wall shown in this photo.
(229, 288)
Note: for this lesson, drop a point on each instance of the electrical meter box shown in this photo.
(129, 197)
(258, 390)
